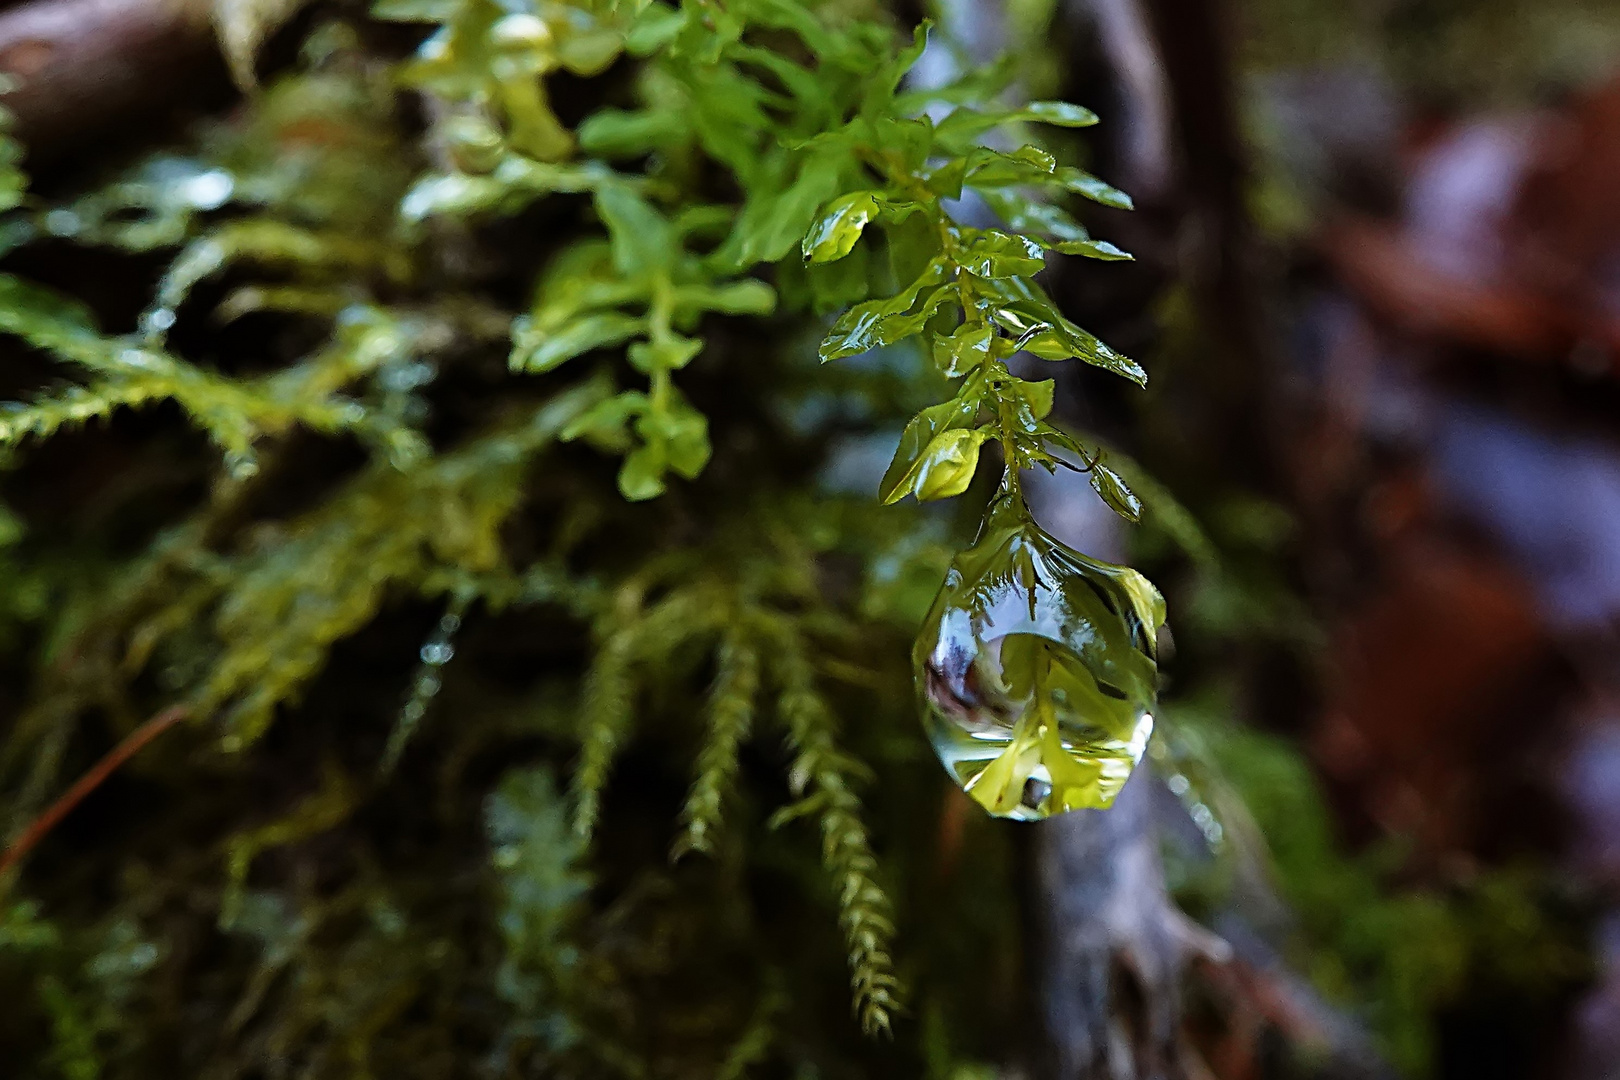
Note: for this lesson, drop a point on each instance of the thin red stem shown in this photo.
(128, 748)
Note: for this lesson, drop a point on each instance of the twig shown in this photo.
(128, 748)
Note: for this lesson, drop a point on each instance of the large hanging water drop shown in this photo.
(1036, 669)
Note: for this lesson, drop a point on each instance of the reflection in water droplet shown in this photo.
(1036, 670)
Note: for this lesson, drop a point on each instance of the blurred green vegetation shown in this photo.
(292, 427)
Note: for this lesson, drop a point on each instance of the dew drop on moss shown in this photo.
(1036, 670)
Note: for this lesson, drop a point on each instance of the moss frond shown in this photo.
(608, 704)
(324, 809)
(731, 717)
(606, 713)
(269, 242)
(538, 856)
(822, 776)
(44, 417)
(325, 575)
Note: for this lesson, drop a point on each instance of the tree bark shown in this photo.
(1116, 944)
(78, 67)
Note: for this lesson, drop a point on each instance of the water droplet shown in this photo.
(435, 653)
(436, 47)
(158, 320)
(404, 377)
(476, 143)
(209, 190)
(1178, 785)
(440, 193)
(1036, 670)
(406, 449)
(138, 358)
(378, 345)
(241, 465)
(521, 31)
(63, 223)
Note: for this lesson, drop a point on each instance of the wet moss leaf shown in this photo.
(641, 477)
(995, 254)
(1059, 113)
(948, 463)
(768, 228)
(919, 433)
(746, 297)
(620, 133)
(1115, 492)
(669, 353)
(1035, 397)
(884, 322)
(837, 230)
(1083, 183)
(604, 424)
(966, 348)
(641, 238)
(1095, 249)
(537, 350)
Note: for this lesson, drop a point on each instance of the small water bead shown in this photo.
(406, 449)
(436, 47)
(63, 223)
(476, 143)
(1201, 813)
(438, 193)
(436, 652)
(1036, 670)
(521, 31)
(208, 190)
(138, 358)
(403, 377)
(158, 321)
(242, 465)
